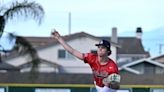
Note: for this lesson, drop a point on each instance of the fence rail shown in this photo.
(74, 88)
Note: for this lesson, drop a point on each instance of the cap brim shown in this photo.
(99, 45)
(96, 44)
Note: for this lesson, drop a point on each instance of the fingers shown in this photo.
(53, 32)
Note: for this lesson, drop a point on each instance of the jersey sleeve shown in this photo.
(88, 57)
(114, 68)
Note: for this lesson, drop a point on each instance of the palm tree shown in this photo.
(23, 9)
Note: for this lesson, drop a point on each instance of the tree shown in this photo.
(24, 9)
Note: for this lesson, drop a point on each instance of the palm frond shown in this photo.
(24, 9)
(2, 25)
(24, 48)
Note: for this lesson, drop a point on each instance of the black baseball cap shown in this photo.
(104, 43)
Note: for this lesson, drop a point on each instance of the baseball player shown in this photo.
(105, 70)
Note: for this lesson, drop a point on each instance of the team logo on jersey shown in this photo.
(110, 67)
(101, 74)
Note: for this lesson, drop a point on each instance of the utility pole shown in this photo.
(160, 48)
(69, 23)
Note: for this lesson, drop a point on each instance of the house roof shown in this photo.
(159, 58)
(128, 44)
(46, 41)
(5, 66)
(28, 64)
(42, 42)
(127, 66)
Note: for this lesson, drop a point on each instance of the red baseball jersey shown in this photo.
(100, 71)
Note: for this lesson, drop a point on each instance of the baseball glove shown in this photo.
(112, 78)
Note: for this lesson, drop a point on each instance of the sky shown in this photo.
(96, 17)
(93, 16)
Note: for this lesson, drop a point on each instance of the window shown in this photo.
(63, 54)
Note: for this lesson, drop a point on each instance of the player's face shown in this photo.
(102, 51)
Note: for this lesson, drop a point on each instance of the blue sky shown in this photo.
(95, 17)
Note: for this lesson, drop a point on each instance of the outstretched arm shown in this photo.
(67, 47)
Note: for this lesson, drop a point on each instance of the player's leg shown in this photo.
(98, 88)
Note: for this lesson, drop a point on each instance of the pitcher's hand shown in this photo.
(55, 34)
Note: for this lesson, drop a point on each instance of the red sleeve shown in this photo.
(114, 68)
(89, 57)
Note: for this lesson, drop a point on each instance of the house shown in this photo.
(146, 71)
(142, 66)
(51, 51)
(59, 67)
